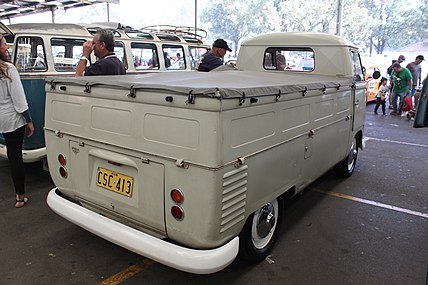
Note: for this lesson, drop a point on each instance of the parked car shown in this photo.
(373, 83)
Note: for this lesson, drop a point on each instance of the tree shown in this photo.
(357, 24)
(395, 23)
(307, 16)
(320, 16)
(236, 20)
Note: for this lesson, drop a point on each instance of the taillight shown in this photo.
(62, 160)
(177, 212)
(63, 172)
(177, 196)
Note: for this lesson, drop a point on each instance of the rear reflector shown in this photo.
(177, 213)
(63, 172)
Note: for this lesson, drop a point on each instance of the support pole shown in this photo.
(196, 15)
(53, 14)
(339, 17)
(108, 12)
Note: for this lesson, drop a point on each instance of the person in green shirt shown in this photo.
(401, 78)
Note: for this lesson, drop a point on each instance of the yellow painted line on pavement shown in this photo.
(397, 142)
(127, 273)
(369, 202)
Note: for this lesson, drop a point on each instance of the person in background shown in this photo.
(389, 71)
(40, 61)
(280, 61)
(415, 68)
(402, 80)
(14, 118)
(381, 95)
(213, 58)
(167, 59)
(102, 45)
(153, 62)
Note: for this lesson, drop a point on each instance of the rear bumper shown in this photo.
(182, 258)
(28, 156)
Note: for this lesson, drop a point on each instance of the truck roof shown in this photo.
(297, 39)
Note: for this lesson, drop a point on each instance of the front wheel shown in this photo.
(346, 167)
(260, 231)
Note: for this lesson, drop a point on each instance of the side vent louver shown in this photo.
(234, 197)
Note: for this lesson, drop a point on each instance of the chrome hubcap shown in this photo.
(352, 156)
(264, 224)
(266, 220)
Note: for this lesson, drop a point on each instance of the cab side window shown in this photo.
(144, 56)
(173, 57)
(30, 55)
(357, 66)
(66, 53)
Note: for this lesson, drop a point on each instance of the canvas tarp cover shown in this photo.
(224, 84)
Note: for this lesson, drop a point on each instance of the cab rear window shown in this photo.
(289, 59)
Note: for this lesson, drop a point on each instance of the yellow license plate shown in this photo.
(115, 181)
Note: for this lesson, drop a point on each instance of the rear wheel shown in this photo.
(261, 231)
(346, 167)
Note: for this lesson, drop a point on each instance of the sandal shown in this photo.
(24, 201)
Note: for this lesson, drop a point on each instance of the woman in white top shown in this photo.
(14, 118)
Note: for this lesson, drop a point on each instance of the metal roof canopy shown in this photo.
(15, 8)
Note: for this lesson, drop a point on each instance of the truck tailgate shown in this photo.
(127, 188)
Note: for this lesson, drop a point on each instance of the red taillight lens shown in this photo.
(62, 160)
(177, 213)
(177, 196)
(63, 172)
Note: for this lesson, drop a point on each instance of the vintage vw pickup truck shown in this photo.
(192, 168)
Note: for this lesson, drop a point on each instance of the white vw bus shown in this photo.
(42, 50)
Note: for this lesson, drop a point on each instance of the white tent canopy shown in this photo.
(17, 8)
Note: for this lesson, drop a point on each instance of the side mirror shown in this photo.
(376, 74)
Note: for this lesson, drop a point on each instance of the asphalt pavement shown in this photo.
(371, 228)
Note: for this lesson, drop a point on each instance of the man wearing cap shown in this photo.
(415, 68)
(400, 60)
(213, 58)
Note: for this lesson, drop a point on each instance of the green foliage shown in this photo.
(395, 23)
(373, 25)
(307, 16)
(235, 20)
(356, 27)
